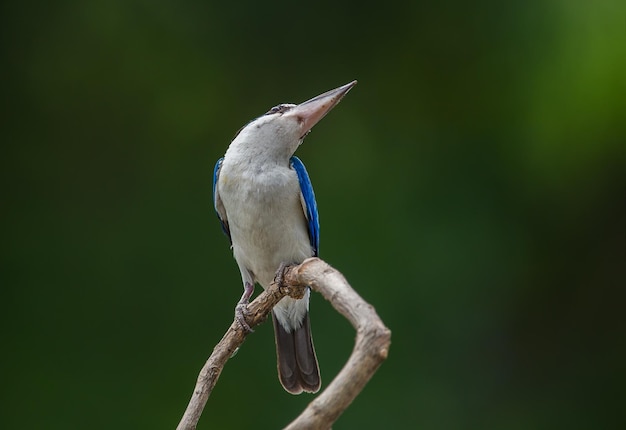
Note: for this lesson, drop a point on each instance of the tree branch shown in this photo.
(371, 348)
(258, 310)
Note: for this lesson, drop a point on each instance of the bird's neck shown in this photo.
(258, 154)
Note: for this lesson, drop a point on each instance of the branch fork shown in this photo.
(371, 347)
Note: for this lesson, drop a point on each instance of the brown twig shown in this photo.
(371, 348)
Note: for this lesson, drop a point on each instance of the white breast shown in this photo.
(265, 217)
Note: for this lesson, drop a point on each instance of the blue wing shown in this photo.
(217, 201)
(308, 203)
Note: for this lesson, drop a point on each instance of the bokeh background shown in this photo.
(471, 187)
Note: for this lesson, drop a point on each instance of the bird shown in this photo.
(266, 206)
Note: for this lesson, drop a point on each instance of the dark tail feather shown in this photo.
(297, 364)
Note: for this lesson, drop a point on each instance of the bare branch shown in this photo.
(372, 344)
(258, 310)
(370, 350)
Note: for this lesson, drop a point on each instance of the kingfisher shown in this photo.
(265, 203)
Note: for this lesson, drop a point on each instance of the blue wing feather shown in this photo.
(308, 196)
(217, 201)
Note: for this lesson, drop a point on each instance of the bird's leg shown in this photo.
(241, 310)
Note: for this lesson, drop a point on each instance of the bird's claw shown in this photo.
(279, 278)
(241, 311)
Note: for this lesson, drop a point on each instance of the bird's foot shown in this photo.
(241, 310)
(279, 278)
(293, 291)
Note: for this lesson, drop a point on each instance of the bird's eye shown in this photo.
(279, 109)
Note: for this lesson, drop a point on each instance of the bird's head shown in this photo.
(279, 132)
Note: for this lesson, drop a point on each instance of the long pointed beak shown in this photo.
(312, 111)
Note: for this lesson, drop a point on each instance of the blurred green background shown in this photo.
(471, 187)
